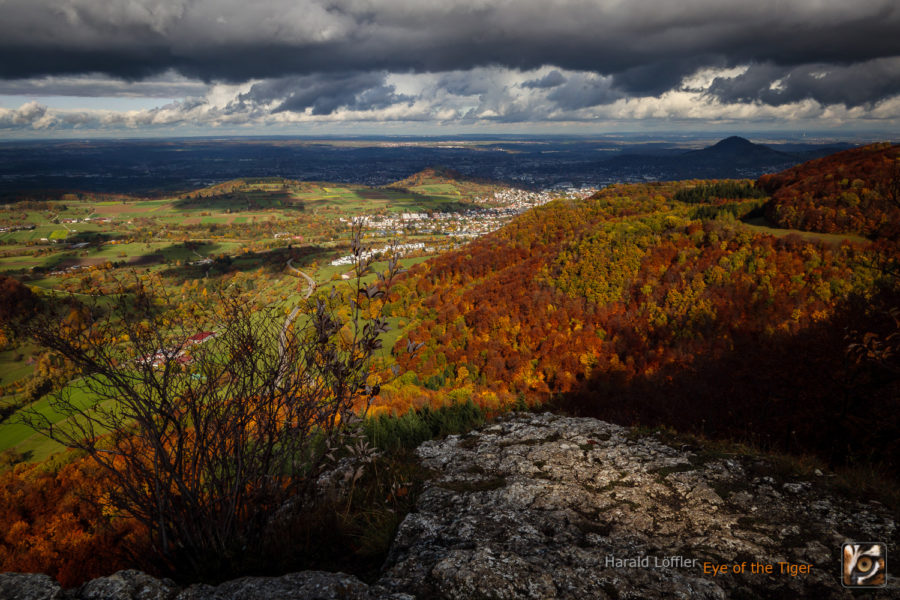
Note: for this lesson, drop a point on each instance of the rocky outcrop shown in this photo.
(127, 584)
(542, 506)
(309, 585)
(134, 585)
(29, 586)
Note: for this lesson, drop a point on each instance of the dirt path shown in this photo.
(310, 282)
(282, 340)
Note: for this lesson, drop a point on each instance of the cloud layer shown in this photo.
(272, 61)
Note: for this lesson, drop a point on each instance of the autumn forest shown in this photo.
(661, 304)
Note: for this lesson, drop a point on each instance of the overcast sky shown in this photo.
(154, 67)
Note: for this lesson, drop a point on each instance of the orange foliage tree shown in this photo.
(54, 522)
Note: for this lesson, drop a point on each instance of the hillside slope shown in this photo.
(634, 307)
(856, 191)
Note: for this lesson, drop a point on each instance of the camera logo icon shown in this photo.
(864, 564)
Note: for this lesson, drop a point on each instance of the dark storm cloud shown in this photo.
(654, 78)
(648, 46)
(170, 86)
(324, 93)
(550, 80)
(467, 83)
(582, 91)
(853, 85)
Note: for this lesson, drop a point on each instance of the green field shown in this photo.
(134, 252)
(249, 228)
(760, 225)
(20, 438)
(16, 263)
(440, 189)
(355, 200)
(13, 368)
(326, 272)
(31, 235)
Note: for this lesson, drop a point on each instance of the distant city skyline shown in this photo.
(158, 68)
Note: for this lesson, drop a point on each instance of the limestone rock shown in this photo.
(308, 585)
(128, 585)
(29, 586)
(542, 506)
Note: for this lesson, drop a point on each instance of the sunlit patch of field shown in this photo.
(439, 189)
(761, 225)
(14, 364)
(17, 436)
(29, 235)
(128, 209)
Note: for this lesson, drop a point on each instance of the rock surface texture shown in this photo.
(542, 506)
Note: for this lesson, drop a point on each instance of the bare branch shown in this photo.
(209, 416)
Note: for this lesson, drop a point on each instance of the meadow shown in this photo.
(241, 232)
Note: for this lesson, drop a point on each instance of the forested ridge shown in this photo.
(854, 191)
(637, 307)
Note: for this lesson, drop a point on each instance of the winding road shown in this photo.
(310, 282)
(310, 288)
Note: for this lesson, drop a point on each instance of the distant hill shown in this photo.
(243, 184)
(731, 157)
(737, 150)
(449, 183)
(442, 175)
(855, 191)
(429, 176)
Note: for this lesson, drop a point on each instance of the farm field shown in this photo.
(84, 230)
(281, 289)
(241, 233)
